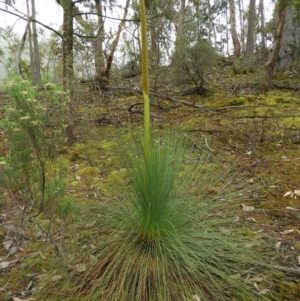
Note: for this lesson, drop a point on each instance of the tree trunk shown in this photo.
(96, 41)
(68, 72)
(289, 54)
(32, 69)
(242, 24)
(98, 47)
(116, 41)
(262, 29)
(251, 28)
(37, 78)
(271, 63)
(20, 49)
(179, 27)
(234, 35)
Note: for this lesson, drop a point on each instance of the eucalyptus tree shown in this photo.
(251, 27)
(281, 8)
(242, 23)
(67, 42)
(180, 21)
(160, 16)
(262, 28)
(234, 34)
(289, 54)
(30, 32)
(90, 30)
(35, 63)
(10, 52)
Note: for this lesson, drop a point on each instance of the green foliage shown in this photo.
(171, 237)
(191, 63)
(34, 124)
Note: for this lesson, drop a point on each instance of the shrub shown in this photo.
(192, 62)
(34, 124)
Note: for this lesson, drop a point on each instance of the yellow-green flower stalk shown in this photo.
(145, 80)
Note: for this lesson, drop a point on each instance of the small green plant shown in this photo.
(34, 125)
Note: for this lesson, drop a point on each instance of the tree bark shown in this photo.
(242, 24)
(179, 27)
(251, 28)
(20, 49)
(37, 78)
(234, 35)
(68, 71)
(32, 69)
(96, 41)
(289, 54)
(271, 63)
(98, 47)
(116, 41)
(67, 46)
(262, 29)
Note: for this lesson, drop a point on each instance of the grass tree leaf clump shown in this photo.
(165, 239)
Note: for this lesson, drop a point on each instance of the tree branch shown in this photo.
(25, 18)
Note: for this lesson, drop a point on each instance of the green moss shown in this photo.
(108, 145)
(75, 183)
(110, 186)
(88, 171)
(238, 101)
(287, 291)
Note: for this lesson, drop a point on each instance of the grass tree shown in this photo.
(174, 236)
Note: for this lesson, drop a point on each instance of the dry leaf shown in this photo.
(258, 278)
(247, 208)
(79, 268)
(13, 250)
(293, 194)
(4, 264)
(56, 278)
(42, 255)
(264, 291)
(277, 246)
(287, 231)
(7, 244)
(75, 167)
(196, 298)
(78, 178)
(291, 208)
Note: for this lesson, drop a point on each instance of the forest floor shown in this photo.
(257, 132)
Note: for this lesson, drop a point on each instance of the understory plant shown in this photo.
(34, 124)
(192, 62)
(173, 236)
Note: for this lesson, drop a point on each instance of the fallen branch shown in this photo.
(166, 97)
(130, 108)
(263, 116)
(243, 107)
(282, 87)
